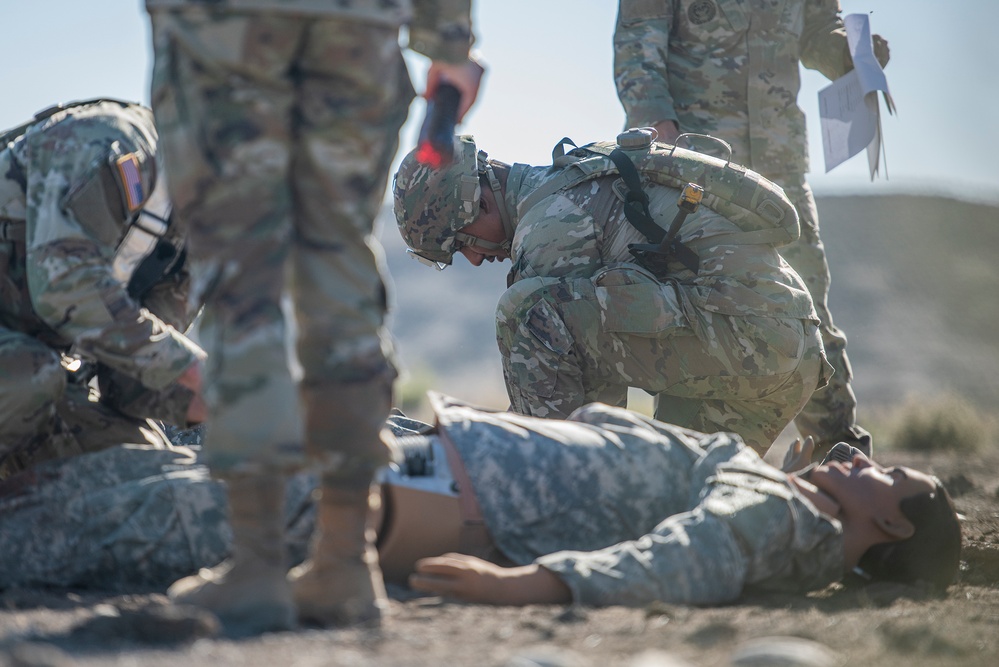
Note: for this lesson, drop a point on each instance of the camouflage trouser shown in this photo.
(831, 414)
(129, 517)
(115, 519)
(566, 343)
(279, 132)
(46, 417)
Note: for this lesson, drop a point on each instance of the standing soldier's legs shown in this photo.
(354, 94)
(223, 110)
(831, 415)
(223, 107)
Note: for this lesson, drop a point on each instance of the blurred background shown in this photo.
(913, 255)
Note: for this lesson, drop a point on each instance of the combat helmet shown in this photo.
(432, 206)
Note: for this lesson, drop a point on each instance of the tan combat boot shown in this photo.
(249, 592)
(340, 583)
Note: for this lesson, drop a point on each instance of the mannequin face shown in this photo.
(866, 491)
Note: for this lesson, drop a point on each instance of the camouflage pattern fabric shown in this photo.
(432, 204)
(127, 517)
(116, 519)
(627, 510)
(64, 208)
(730, 69)
(279, 128)
(733, 347)
(439, 29)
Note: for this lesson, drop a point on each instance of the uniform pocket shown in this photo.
(782, 336)
(534, 340)
(545, 324)
(632, 301)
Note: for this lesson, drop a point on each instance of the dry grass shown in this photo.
(947, 422)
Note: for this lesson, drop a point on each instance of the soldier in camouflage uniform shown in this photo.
(91, 273)
(729, 68)
(621, 508)
(729, 343)
(280, 119)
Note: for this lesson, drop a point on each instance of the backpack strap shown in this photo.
(636, 201)
(568, 177)
(663, 245)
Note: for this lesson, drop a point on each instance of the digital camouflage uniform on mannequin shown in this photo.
(576, 495)
(280, 119)
(81, 280)
(729, 343)
(624, 509)
(627, 510)
(730, 69)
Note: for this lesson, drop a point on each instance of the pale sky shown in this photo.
(550, 76)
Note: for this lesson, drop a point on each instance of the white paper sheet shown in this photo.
(848, 107)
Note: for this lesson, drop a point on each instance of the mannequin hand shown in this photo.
(475, 580)
(799, 455)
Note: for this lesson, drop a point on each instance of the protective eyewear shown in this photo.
(437, 266)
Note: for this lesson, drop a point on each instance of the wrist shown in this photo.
(533, 584)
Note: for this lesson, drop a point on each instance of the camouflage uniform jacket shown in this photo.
(582, 232)
(628, 510)
(56, 278)
(439, 29)
(728, 68)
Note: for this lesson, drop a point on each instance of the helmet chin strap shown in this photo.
(469, 241)
(504, 212)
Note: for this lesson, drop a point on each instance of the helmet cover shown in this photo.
(432, 204)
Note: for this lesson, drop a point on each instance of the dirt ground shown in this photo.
(885, 624)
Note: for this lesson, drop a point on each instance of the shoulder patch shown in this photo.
(701, 11)
(131, 181)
